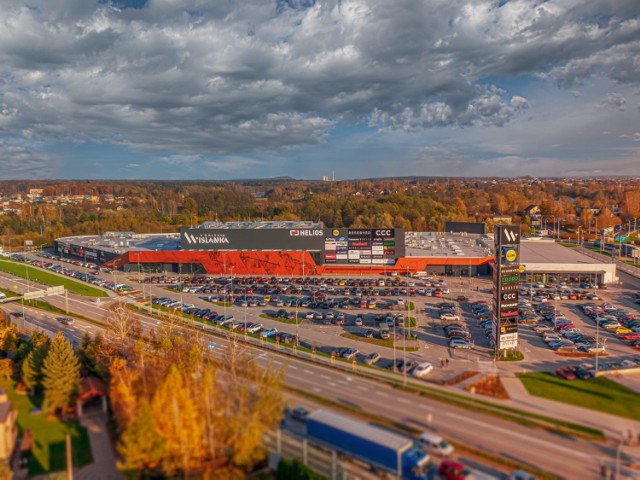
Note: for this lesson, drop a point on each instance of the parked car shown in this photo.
(422, 369)
(372, 358)
(350, 353)
(268, 332)
(566, 373)
(460, 343)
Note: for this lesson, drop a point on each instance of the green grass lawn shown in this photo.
(379, 341)
(9, 293)
(292, 321)
(47, 278)
(599, 393)
(48, 454)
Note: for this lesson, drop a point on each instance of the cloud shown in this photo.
(191, 79)
(614, 101)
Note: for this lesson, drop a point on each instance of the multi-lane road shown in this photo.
(564, 456)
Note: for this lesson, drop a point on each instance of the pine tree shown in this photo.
(61, 375)
(29, 373)
(141, 446)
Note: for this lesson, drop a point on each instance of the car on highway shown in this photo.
(451, 470)
(65, 320)
(434, 444)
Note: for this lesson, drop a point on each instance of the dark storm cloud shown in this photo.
(198, 77)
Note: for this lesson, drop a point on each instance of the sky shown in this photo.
(223, 89)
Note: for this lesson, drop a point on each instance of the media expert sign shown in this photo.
(251, 239)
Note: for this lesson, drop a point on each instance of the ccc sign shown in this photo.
(509, 296)
(383, 233)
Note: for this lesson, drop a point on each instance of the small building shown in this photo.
(8, 428)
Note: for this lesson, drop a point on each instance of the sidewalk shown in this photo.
(104, 460)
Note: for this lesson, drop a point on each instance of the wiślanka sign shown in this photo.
(506, 280)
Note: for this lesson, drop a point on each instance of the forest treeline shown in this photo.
(420, 204)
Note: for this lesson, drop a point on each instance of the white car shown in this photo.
(255, 328)
(422, 370)
(459, 343)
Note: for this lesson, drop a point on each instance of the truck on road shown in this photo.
(385, 451)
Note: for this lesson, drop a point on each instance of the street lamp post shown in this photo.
(618, 455)
(245, 312)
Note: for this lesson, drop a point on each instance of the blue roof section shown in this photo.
(366, 431)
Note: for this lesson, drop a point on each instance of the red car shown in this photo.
(453, 470)
(566, 373)
(630, 336)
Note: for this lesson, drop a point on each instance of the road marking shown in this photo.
(523, 436)
(382, 394)
(360, 387)
(317, 389)
(308, 372)
(293, 367)
(426, 407)
(404, 400)
(325, 377)
(331, 384)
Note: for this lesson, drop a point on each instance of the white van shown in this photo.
(432, 443)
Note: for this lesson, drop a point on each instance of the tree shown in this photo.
(61, 375)
(121, 392)
(176, 418)
(141, 446)
(6, 370)
(122, 326)
(29, 373)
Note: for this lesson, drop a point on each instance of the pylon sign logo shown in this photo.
(510, 236)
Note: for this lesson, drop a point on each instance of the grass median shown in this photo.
(292, 321)
(43, 277)
(599, 394)
(378, 341)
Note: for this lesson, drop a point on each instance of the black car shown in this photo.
(282, 313)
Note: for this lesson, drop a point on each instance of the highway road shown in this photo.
(563, 456)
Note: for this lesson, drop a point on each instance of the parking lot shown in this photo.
(384, 320)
